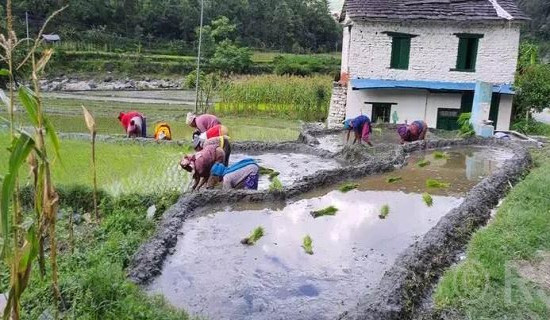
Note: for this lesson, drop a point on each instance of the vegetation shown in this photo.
(427, 198)
(308, 245)
(532, 127)
(328, 211)
(272, 174)
(256, 235)
(440, 155)
(423, 163)
(300, 98)
(465, 127)
(393, 179)
(169, 27)
(487, 284)
(384, 211)
(347, 187)
(275, 185)
(305, 65)
(436, 184)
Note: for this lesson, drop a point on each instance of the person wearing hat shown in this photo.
(362, 128)
(222, 142)
(241, 175)
(203, 122)
(133, 123)
(413, 132)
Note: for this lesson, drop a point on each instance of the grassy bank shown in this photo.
(92, 279)
(488, 285)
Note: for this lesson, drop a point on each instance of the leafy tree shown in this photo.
(231, 59)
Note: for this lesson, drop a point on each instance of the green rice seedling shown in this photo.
(273, 175)
(328, 211)
(440, 155)
(265, 171)
(275, 185)
(308, 245)
(427, 198)
(384, 211)
(436, 184)
(423, 163)
(393, 179)
(348, 187)
(254, 236)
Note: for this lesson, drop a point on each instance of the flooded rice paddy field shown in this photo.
(291, 166)
(212, 274)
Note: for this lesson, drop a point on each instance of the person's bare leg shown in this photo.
(424, 131)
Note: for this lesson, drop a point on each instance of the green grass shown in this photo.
(121, 167)
(347, 187)
(393, 179)
(384, 211)
(436, 184)
(427, 198)
(93, 279)
(308, 245)
(485, 285)
(423, 163)
(256, 235)
(66, 116)
(328, 211)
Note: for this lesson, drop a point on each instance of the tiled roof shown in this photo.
(460, 10)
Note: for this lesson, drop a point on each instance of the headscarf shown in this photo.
(190, 118)
(403, 131)
(219, 170)
(347, 124)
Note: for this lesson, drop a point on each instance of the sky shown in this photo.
(336, 5)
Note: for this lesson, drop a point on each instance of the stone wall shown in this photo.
(337, 110)
(434, 51)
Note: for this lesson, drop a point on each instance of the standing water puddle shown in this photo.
(291, 166)
(212, 274)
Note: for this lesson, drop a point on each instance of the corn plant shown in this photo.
(90, 123)
(21, 237)
(308, 245)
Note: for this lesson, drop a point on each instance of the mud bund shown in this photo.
(414, 272)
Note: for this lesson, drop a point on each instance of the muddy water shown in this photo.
(212, 274)
(335, 142)
(291, 166)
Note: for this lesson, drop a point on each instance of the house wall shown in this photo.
(410, 105)
(434, 51)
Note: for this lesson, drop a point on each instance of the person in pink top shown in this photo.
(203, 122)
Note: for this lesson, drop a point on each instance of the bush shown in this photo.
(531, 127)
(230, 58)
(304, 65)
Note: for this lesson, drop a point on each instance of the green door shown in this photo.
(447, 119)
(495, 103)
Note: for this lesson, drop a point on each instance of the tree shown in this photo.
(231, 59)
(208, 86)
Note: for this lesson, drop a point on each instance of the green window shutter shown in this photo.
(401, 49)
(474, 44)
(395, 53)
(405, 53)
(462, 53)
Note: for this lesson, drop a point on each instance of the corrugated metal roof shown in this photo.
(362, 84)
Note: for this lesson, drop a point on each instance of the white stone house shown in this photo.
(420, 59)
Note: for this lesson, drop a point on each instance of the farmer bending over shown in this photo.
(241, 175)
(133, 123)
(201, 163)
(203, 122)
(413, 132)
(222, 142)
(362, 128)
